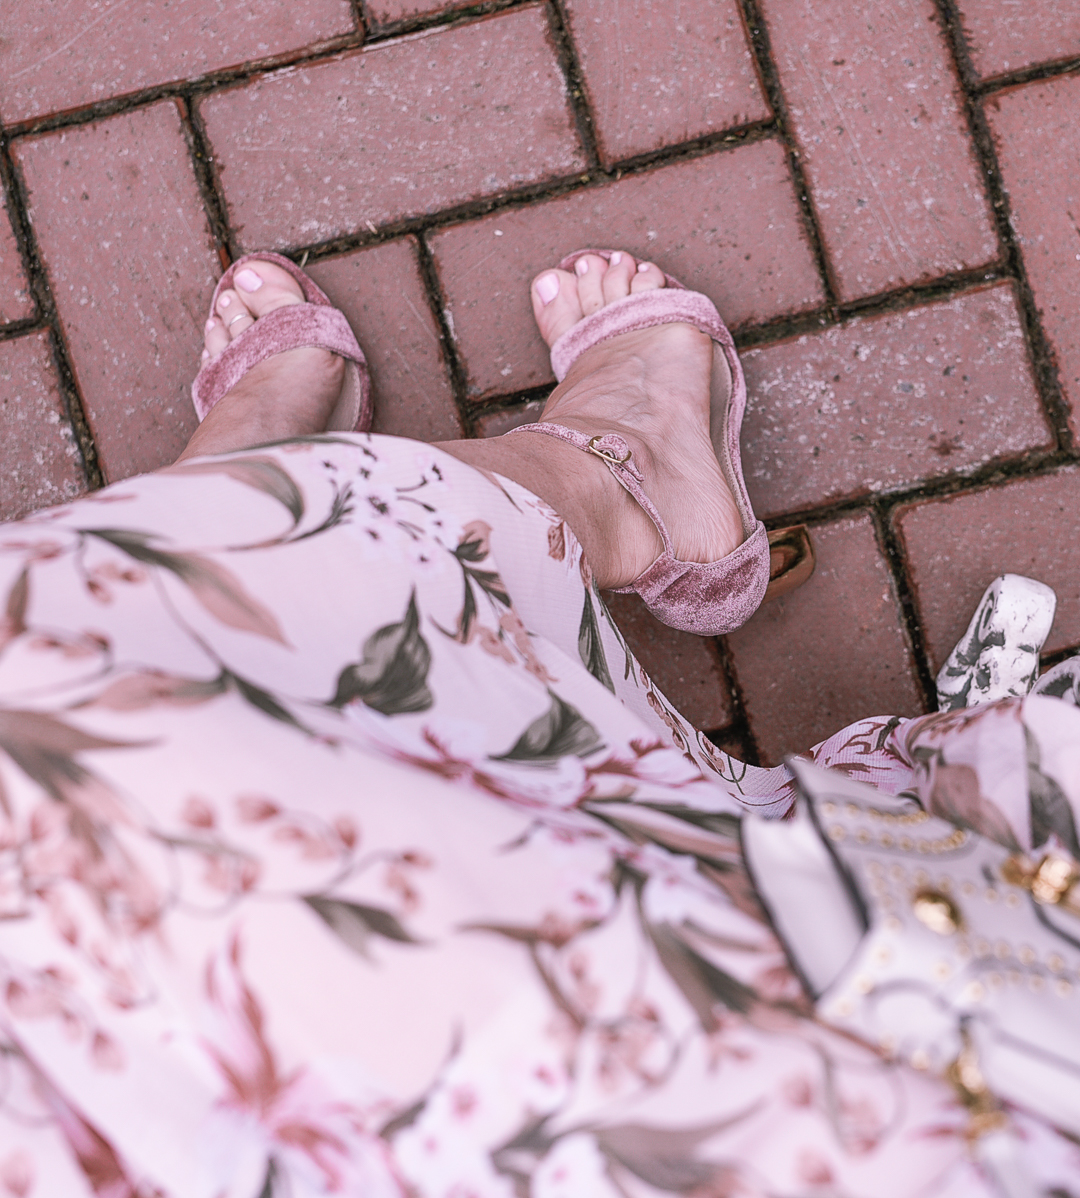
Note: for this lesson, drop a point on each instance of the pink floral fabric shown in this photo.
(346, 849)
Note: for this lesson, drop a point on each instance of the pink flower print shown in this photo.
(293, 1109)
(197, 813)
(17, 1174)
(254, 809)
(511, 624)
(798, 1090)
(813, 1168)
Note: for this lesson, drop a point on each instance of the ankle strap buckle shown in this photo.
(593, 447)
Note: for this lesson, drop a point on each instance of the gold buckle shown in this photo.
(608, 457)
(1050, 881)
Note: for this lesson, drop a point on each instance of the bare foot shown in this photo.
(652, 387)
(292, 394)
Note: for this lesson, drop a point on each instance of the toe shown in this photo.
(590, 270)
(647, 277)
(216, 338)
(233, 314)
(618, 276)
(264, 286)
(556, 305)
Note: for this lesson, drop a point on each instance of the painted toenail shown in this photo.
(210, 325)
(249, 280)
(547, 288)
(225, 301)
(616, 258)
(581, 266)
(643, 266)
(205, 354)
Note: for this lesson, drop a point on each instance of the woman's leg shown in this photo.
(291, 394)
(652, 387)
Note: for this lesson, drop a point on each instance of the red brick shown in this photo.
(830, 653)
(381, 292)
(956, 547)
(502, 420)
(386, 12)
(42, 464)
(891, 169)
(57, 56)
(401, 129)
(726, 224)
(1038, 138)
(660, 74)
(685, 668)
(1004, 35)
(15, 301)
(880, 403)
(131, 264)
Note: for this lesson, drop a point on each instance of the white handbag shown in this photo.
(934, 943)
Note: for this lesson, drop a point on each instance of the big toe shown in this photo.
(561, 298)
(556, 303)
(263, 286)
(258, 288)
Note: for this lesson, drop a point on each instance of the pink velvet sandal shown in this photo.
(314, 323)
(706, 599)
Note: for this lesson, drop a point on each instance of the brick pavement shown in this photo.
(873, 191)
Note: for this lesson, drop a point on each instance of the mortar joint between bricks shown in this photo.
(1064, 67)
(14, 190)
(989, 475)
(891, 545)
(757, 31)
(577, 93)
(740, 717)
(206, 178)
(422, 22)
(437, 302)
(1042, 358)
(902, 299)
(513, 199)
(360, 17)
(175, 88)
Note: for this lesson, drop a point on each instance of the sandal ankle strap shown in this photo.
(616, 454)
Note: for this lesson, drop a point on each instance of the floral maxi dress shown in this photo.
(346, 849)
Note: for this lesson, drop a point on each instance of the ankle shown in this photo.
(617, 537)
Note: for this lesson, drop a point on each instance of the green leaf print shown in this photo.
(263, 700)
(591, 647)
(1050, 810)
(45, 748)
(704, 986)
(664, 1157)
(263, 474)
(561, 731)
(217, 589)
(357, 923)
(392, 677)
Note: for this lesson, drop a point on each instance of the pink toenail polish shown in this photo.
(210, 324)
(205, 354)
(248, 280)
(616, 258)
(643, 266)
(547, 288)
(581, 266)
(224, 302)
